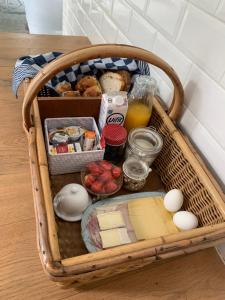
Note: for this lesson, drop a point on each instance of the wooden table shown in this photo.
(197, 276)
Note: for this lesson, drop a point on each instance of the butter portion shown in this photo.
(114, 237)
(110, 220)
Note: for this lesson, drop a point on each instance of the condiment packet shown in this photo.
(58, 136)
(89, 140)
(74, 132)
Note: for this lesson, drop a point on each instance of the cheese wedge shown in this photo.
(150, 219)
(110, 220)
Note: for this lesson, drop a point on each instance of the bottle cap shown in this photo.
(114, 134)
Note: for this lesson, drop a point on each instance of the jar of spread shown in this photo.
(144, 143)
(115, 137)
(135, 173)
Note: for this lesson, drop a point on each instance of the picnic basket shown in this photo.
(63, 255)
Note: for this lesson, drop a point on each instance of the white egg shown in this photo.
(185, 220)
(173, 200)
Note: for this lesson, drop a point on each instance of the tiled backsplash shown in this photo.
(190, 36)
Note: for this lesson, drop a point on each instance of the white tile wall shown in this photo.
(190, 36)
(106, 5)
(208, 5)
(122, 39)
(96, 14)
(139, 30)
(173, 56)
(166, 14)
(221, 11)
(109, 29)
(203, 38)
(206, 100)
(121, 14)
(140, 4)
(86, 5)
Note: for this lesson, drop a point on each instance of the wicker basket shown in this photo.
(61, 249)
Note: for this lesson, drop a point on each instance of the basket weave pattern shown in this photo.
(176, 172)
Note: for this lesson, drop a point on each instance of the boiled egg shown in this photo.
(173, 200)
(185, 220)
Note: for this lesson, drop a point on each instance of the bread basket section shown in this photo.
(84, 251)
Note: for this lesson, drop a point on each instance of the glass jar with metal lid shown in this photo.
(135, 173)
(144, 143)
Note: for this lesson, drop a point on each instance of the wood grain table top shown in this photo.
(196, 276)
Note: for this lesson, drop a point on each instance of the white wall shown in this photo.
(189, 35)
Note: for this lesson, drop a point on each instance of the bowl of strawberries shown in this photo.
(102, 178)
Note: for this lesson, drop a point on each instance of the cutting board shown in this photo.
(150, 219)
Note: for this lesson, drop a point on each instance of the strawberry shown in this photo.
(105, 176)
(97, 187)
(116, 172)
(89, 180)
(110, 186)
(106, 165)
(91, 166)
(94, 169)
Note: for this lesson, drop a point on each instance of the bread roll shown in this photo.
(71, 94)
(93, 91)
(111, 82)
(86, 82)
(126, 78)
(63, 87)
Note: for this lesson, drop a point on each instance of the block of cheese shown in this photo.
(150, 219)
(114, 237)
(110, 220)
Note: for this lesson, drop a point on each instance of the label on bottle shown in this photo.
(113, 109)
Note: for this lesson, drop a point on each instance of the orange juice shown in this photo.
(138, 115)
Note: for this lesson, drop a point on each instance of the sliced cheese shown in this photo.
(114, 237)
(110, 220)
(150, 219)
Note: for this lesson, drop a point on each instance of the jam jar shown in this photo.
(135, 173)
(115, 137)
(144, 143)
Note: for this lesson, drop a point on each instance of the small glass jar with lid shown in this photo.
(144, 143)
(115, 137)
(135, 173)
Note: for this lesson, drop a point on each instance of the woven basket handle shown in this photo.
(100, 51)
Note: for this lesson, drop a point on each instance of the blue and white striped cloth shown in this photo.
(28, 67)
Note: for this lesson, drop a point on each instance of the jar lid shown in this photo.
(114, 134)
(145, 140)
(135, 168)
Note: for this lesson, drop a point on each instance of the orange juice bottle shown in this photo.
(140, 102)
